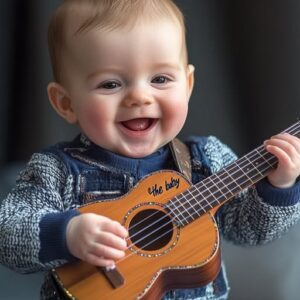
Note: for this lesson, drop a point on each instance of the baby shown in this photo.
(122, 76)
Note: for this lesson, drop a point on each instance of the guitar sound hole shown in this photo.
(150, 229)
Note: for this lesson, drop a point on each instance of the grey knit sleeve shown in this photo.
(37, 192)
(248, 218)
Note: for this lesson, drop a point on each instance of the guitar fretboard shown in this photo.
(225, 184)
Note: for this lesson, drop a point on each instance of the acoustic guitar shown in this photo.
(173, 237)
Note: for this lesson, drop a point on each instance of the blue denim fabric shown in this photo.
(100, 174)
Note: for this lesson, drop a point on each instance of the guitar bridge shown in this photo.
(113, 275)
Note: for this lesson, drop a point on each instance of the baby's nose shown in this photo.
(138, 97)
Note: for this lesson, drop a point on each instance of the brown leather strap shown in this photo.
(182, 158)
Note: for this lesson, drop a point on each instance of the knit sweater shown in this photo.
(56, 181)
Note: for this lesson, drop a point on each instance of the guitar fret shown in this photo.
(221, 185)
(197, 206)
(241, 179)
(208, 197)
(200, 207)
(264, 158)
(212, 190)
(228, 182)
(237, 184)
(228, 185)
(185, 216)
(255, 164)
(188, 216)
(179, 217)
(205, 193)
(246, 175)
(192, 199)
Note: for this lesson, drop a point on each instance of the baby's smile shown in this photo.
(139, 124)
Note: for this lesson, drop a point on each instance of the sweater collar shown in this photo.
(138, 167)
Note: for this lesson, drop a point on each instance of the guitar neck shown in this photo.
(225, 184)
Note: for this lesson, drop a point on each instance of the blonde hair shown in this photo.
(106, 15)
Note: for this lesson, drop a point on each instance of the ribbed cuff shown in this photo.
(53, 236)
(277, 196)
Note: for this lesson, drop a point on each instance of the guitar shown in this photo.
(173, 236)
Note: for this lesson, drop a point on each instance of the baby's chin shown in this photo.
(137, 151)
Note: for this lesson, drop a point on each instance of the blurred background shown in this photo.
(247, 59)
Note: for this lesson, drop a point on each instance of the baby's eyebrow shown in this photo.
(162, 65)
(103, 70)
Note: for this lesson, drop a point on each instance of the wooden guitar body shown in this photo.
(163, 253)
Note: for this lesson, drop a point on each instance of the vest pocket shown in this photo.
(98, 185)
(99, 196)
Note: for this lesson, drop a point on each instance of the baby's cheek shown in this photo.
(93, 118)
(176, 111)
(174, 118)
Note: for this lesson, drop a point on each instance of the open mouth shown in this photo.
(140, 124)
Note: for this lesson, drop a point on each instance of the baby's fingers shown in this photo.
(99, 261)
(292, 140)
(103, 255)
(114, 227)
(284, 147)
(111, 240)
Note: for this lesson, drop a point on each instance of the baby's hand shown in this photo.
(287, 150)
(96, 239)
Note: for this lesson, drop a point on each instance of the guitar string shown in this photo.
(149, 243)
(192, 217)
(174, 202)
(191, 206)
(227, 167)
(218, 188)
(180, 203)
(159, 228)
(246, 157)
(164, 233)
(216, 179)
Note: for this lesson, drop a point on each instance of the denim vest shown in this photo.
(95, 180)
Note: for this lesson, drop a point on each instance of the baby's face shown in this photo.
(129, 89)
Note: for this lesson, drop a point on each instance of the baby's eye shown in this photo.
(160, 79)
(109, 85)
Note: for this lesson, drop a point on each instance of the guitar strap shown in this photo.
(182, 157)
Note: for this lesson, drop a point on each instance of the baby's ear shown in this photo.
(61, 102)
(190, 78)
